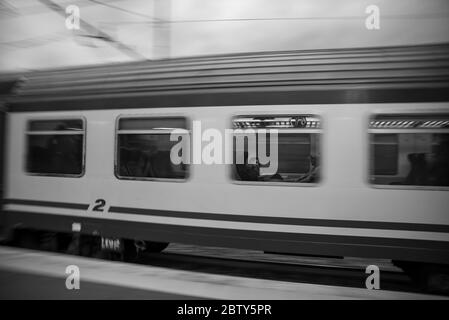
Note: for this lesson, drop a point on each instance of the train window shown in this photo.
(293, 147)
(143, 148)
(385, 151)
(409, 150)
(55, 147)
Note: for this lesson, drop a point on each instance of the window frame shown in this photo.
(62, 118)
(149, 116)
(318, 131)
(369, 131)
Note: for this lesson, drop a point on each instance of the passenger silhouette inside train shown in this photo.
(418, 170)
(430, 169)
(249, 170)
(438, 174)
(135, 163)
(313, 174)
(163, 166)
(149, 164)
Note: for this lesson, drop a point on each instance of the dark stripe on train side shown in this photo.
(53, 204)
(286, 220)
(318, 244)
(248, 218)
(253, 96)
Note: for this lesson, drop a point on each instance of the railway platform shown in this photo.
(23, 272)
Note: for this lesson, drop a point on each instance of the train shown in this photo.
(362, 154)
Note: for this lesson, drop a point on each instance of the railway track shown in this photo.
(323, 274)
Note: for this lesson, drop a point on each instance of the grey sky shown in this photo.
(34, 37)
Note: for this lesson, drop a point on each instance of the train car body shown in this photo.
(350, 211)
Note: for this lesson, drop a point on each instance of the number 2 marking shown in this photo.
(99, 205)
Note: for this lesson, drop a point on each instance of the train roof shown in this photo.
(358, 75)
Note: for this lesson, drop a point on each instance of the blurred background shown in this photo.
(33, 33)
(34, 36)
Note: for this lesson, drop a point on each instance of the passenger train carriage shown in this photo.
(363, 153)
